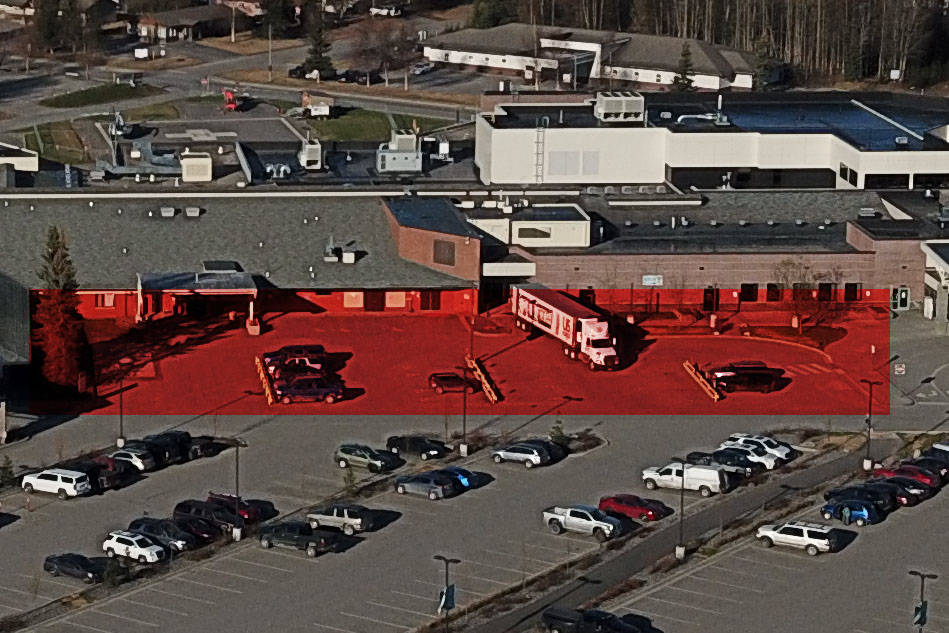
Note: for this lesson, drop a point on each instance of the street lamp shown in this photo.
(464, 390)
(868, 462)
(237, 443)
(680, 548)
(124, 363)
(920, 617)
(446, 599)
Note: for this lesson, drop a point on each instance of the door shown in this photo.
(899, 298)
(710, 299)
(374, 300)
(430, 300)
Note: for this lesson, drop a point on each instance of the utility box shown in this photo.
(311, 155)
(402, 154)
(196, 167)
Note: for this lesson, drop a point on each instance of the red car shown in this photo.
(912, 472)
(634, 507)
(247, 511)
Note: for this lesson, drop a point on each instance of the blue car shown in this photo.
(852, 511)
(461, 479)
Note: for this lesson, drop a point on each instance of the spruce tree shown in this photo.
(317, 57)
(46, 23)
(683, 80)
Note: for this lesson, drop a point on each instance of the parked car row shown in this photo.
(864, 503)
(530, 453)
(120, 467)
(299, 373)
(739, 456)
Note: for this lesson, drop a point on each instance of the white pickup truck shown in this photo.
(348, 517)
(388, 11)
(581, 519)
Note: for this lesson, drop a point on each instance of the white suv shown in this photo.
(781, 450)
(64, 483)
(131, 545)
(813, 538)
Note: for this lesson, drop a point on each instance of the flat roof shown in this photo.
(430, 214)
(283, 237)
(867, 121)
(552, 213)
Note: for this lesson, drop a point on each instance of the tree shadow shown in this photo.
(631, 341)
(6, 519)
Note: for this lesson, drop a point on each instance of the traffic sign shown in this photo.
(899, 369)
(919, 613)
(446, 598)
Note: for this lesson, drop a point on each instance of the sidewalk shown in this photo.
(600, 579)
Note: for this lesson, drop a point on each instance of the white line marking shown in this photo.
(362, 617)
(515, 571)
(727, 584)
(204, 584)
(497, 582)
(230, 573)
(50, 580)
(661, 617)
(431, 599)
(510, 555)
(31, 594)
(124, 617)
(764, 562)
(152, 606)
(820, 368)
(458, 589)
(180, 595)
(247, 562)
(707, 595)
(687, 606)
(427, 616)
(332, 628)
(79, 624)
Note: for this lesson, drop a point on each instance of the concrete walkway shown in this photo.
(601, 578)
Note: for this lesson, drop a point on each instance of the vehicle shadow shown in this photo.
(345, 543)
(479, 480)
(631, 341)
(380, 519)
(626, 525)
(265, 509)
(351, 393)
(843, 538)
(6, 519)
(641, 622)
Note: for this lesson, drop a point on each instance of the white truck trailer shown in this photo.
(584, 333)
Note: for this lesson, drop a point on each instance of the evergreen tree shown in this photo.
(46, 23)
(277, 18)
(70, 24)
(490, 13)
(683, 80)
(59, 329)
(317, 57)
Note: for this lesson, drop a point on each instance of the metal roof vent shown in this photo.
(828, 222)
(868, 212)
(901, 140)
(167, 212)
(742, 222)
(628, 223)
(192, 212)
(657, 223)
(800, 222)
(713, 222)
(770, 222)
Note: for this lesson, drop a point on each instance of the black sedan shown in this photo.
(203, 530)
(76, 565)
(166, 532)
(424, 447)
(446, 382)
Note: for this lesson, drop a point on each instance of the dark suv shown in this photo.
(738, 458)
(217, 515)
(298, 535)
(882, 499)
(308, 389)
(591, 621)
(246, 510)
(744, 376)
(313, 355)
(424, 447)
(166, 532)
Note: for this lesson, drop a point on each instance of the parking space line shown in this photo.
(770, 564)
(509, 554)
(497, 582)
(363, 617)
(729, 570)
(413, 595)
(276, 552)
(83, 626)
(31, 594)
(514, 571)
(727, 584)
(204, 584)
(661, 617)
(686, 606)
(6, 606)
(248, 562)
(332, 628)
(180, 595)
(707, 595)
(124, 617)
(230, 573)
(427, 616)
(457, 589)
(152, 606)
(49, 580)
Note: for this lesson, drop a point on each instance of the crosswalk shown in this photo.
(804, 369)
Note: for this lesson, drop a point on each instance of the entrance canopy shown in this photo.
(937, 257)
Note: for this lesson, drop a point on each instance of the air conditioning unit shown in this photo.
(192, 212)
(167, 212)
(901, 140)
(623, 106)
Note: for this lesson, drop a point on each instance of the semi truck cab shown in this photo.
(596, 343)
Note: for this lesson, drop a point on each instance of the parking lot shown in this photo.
(386, 579)
(193, 373)
(748, 589)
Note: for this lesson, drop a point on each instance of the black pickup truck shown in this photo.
(298, 535)
(558, 620)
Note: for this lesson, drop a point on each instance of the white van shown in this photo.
(708, 480)
(64, 483)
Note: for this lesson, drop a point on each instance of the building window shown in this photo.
(444, 253)
(748, 292)
(430, 300)
(802, 291)
(825, 291)
(658, 79)
(352, 300)
(852, 292)
(773, 292)
(534, 232)
(395, 299)
(843, 172)
(105, 300)
(852, 178)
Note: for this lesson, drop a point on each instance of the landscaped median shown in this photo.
(106, 93)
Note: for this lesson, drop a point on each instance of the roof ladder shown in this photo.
(539, 155)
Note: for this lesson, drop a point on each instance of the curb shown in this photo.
(751, 338)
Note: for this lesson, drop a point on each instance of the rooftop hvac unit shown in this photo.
(619, 106)
(868, 213)
(192, 212)
(167, 212)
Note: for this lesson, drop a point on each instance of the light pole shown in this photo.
(868, 461)
(464, 390)
(124, 363)
(237, 443)
(448, 605)
(920, 617)
(680, 548)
